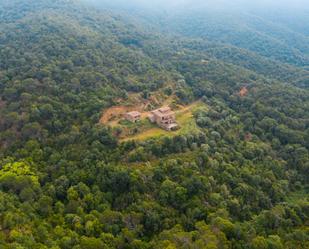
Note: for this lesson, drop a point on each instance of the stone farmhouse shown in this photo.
(164, 117)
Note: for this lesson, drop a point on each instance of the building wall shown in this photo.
(162, 120)
(131, 118)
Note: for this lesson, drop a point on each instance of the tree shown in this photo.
(259, 242)
(172, 194)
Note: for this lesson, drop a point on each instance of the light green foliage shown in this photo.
(18, 170)
(204, 237)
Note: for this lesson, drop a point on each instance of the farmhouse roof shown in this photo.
(134, 113)
(163, 111)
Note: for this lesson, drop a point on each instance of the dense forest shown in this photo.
(239, 180)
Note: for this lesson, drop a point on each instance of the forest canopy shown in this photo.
(236, 178)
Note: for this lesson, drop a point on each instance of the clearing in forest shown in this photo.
(113, 115)
(184, 117)
(144, 129)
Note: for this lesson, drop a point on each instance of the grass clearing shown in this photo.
(184, 118)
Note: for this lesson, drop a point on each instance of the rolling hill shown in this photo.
(235, 176)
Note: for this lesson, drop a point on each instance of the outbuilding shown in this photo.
(133, 116)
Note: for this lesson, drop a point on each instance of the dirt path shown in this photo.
(112, 115)
(187, 108)
(112, 112)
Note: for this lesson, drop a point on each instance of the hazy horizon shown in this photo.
(218, 3)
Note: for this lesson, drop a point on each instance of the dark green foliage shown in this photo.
(240, 181)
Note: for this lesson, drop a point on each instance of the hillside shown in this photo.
(251, 29)
(234, 176)
(268, 41)
(263, 37)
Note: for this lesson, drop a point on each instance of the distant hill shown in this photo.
(273, 30)
(281, 42)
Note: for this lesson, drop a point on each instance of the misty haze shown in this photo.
(138, 124)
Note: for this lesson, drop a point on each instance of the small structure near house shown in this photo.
(164, 117)
(133, 116)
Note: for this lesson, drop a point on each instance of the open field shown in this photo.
(184, 117)
(125, 130)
